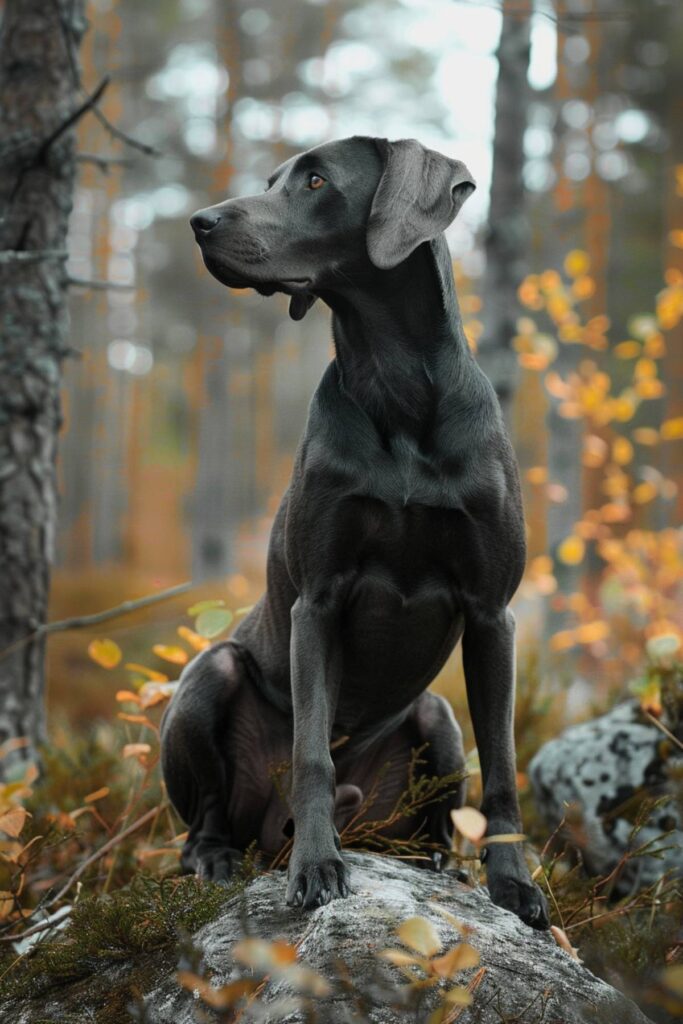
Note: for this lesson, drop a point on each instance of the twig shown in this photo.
(122, 137)
(79, 621)
(82, 282)
(660, 725)
(42, 925)
(88, 104)
(44, 146)
(32, 255)
(103, 162)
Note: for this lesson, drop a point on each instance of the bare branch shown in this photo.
(79, 621)
(104, 163)
(31, 255)
(82, 282)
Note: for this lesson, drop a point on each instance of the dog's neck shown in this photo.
(399, 340)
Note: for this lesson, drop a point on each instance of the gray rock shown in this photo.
(599, 766)
(520, 966)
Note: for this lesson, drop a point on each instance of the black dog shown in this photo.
(402, 530)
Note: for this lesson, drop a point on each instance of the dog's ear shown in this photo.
(300, 304)
(417, 197)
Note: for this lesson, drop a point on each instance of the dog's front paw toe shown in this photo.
(522, 898)
(316, 884)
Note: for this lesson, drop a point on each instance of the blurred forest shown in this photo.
(183, 402)
(183, 408)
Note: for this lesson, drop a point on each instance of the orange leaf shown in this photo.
(135, 749)
(197, 642)
(105, 653)
(127, 695)
(12, 821)
(149, 673)
(136, 719)
(176, 655)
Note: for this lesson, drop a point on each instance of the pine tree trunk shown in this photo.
(508, 231)
(38, 93)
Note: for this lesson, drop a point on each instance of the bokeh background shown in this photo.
(184, 406)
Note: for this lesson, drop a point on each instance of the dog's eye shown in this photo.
(315, 181)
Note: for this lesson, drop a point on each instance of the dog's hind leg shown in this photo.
(436, 726)
(210, 747)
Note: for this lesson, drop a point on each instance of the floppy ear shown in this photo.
(418, 196)
(300, 304)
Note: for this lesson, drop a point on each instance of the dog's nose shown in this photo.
(204, 221)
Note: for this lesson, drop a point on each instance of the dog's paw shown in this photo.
(523, 898)
(510, 886)
(315, 882)
(215, 861)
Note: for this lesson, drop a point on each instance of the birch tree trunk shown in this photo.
(38, 95)
(508, 230)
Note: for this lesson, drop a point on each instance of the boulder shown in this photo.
(604, 769)
(517, 967)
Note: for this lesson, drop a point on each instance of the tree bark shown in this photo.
(508, 231)
(38, 96)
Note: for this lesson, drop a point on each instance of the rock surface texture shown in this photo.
(518, 968)
(606, 767)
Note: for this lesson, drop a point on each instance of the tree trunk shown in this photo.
(508, 231)
(38, 93)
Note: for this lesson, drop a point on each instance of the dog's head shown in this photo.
(337, 212)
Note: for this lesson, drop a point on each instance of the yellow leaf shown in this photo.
(571, 550)
(627, 350)
(645, 368)
(105, 652)
(622, 451)
(148, 673)
(583, 287)
(263, 955)
(591, 632)
(646, 435)
(99, 794)
(457, 959)
(419, 934)
(537, 475)
(136, 749)
(176, 655)
(563, 640)
(672, 430)
(649, 387)
(644, 492)
(12, 821)
(576, 263)
(469, 822)
(399, 958)
(459, 996)
(651, 698)
(123, 696)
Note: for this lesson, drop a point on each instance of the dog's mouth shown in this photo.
(234, 278)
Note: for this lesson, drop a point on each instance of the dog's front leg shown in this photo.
(489, 662)
(316, 869)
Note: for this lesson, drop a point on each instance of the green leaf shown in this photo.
(202, 606)
(213, 621)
